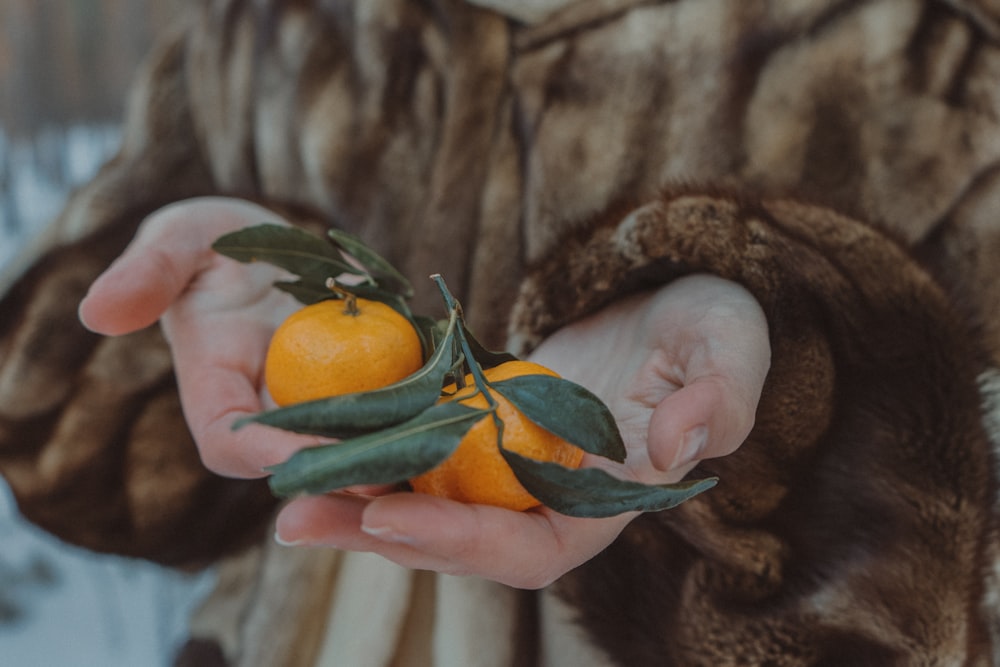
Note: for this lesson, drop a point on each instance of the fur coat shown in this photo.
(840, 159)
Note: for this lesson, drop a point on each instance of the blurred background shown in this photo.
(65, 66)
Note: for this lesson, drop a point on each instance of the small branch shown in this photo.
(350, 300)
(474, 369)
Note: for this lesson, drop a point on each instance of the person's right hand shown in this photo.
(218, 316)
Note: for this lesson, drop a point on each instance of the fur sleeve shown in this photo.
(92, 440)
(854, 524)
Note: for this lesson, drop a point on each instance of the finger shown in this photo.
(703, 419)
(172, 246)
(724, 354)
(335, 521)
(322, 520)
(246, 452)
(522, 549)
(419, 531)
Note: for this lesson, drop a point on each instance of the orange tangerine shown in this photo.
(339, 347)
(476, 472)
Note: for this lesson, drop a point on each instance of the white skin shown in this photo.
(681, 368)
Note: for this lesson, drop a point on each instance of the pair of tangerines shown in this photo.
(337, 347)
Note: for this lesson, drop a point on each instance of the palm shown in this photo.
(701, 334)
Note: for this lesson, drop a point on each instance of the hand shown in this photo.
(218, 316)
(681, 369)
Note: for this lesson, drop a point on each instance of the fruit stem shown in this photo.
(474, 368)
(350, 300)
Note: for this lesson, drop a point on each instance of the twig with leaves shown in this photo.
(393, 434)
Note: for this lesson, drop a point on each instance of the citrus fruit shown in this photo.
(476, 472)
(339, 347)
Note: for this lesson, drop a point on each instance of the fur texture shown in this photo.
(838, 157)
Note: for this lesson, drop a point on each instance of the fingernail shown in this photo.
(692, 444)
(287, 543)
(387, 534)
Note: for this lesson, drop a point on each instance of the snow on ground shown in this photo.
(88, 610)
(36, 176)
(59, 605)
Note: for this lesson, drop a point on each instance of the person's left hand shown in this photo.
(680, 368)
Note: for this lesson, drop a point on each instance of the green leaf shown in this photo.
(433, 330)
(306, 293)
(350, 415)
(432, 334)
(383, 272)
(593, 493)
(295, 250)
(486, 358)
(385, 457)
(566, 409)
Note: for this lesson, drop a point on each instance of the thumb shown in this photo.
(135, 290)
(708, 418)
(172, 247)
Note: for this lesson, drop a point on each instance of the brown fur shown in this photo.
(860, 507)
(526, 162)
